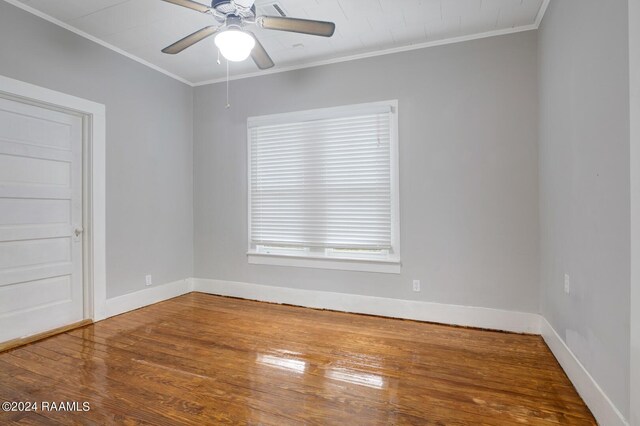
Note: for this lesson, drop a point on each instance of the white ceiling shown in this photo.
(142, 28)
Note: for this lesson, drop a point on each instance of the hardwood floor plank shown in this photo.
(201, 359)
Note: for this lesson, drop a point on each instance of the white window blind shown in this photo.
(322, 179)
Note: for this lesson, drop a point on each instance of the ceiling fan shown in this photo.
(234, 41)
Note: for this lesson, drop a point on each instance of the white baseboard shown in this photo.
(148, 296)
(469, 316)
(598, 402)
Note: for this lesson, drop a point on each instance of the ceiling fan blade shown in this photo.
(191, 5)
(295, 25)
(190, 40)
(260, 56)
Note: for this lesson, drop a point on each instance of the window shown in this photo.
(323, 188)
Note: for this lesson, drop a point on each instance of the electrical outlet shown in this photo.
(416, 285)
(567, 284)
(148, 281)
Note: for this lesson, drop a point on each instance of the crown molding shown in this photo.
(424, 45)
(541, 12)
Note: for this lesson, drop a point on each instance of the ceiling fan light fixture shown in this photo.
(235, 44)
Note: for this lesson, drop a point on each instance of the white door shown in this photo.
(40, 219)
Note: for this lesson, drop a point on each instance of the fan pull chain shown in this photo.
(228, 104)
(218, 61)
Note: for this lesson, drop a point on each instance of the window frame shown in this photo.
(385, 264)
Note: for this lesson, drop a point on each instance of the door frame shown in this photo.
(94, 182)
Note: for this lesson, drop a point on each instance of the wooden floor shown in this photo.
(200, 359)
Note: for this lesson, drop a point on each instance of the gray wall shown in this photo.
(584, 185)
(468, 171)
(634, 66)
(149, 144)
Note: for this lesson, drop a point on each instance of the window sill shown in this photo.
(363, 265)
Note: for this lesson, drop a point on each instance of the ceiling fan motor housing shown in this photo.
(237, 7)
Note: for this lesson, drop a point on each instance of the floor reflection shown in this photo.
(289, 364)
(357, 378)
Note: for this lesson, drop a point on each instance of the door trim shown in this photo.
(94, 182)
